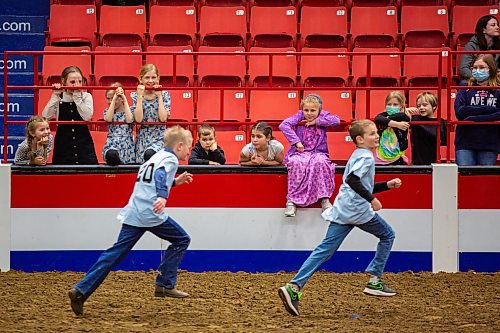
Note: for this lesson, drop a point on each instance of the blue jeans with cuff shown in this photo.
(335, 235)
(128, 237)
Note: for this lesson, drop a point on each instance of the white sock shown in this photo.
(374, 279)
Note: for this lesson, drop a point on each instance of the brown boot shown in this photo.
(164, 292)
(77, 300)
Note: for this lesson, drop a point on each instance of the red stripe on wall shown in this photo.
(207, 190)
(479, 192)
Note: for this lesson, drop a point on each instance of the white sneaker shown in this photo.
(325, 203)
(290, 209)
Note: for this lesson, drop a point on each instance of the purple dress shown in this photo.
(310, 174)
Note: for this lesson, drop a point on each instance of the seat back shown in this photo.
(73, 24)
(122, 25)
(210, 103)
(273, 105)
(385, 68)
(464, 20)
(124, 68)
(184, 69)
(323, 26)
(424, 26)
(178, 29)
(53, 65)
(324, 69)
(223, 26)
(284, 66)
(423, 67)
(374, 26)
(221, 66)
(273, 26)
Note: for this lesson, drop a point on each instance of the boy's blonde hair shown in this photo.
(428, 97)
(175, 134)
(205, 129)
(358, 127)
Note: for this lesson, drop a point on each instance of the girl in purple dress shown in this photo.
(310, 171)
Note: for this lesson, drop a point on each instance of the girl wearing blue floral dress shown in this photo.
(149, 105)
(119, 147)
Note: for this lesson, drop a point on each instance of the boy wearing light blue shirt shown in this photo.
(354, 206)
(145, 212)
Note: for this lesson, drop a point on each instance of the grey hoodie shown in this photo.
(467, 59)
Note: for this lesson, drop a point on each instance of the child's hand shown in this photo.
(413, 110)
(402, 125)
(310, 123)
(39, 160)
(213, 163)
(157, 92)
(56, 89)
(43, 141)
(300, 147)
(394, 183)
(140, 90)
(376, 205)
(159, 205)
(184, 178)
(213, 147)
(256, 159)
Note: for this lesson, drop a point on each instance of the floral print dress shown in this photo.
(120, 139)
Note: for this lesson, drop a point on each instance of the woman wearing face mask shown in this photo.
(479, 144)
(486, 38)
(393, 125)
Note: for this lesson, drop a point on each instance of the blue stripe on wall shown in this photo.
(218, 260)
(248, 261)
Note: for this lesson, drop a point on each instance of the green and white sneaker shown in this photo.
(290, 299)
(378, 289)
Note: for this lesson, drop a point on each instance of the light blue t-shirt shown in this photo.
(139, 210)
(349, 207)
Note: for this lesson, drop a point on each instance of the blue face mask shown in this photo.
(480, 75)
(392, 109)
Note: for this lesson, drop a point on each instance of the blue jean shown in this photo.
(128, 237)
(475, 157)
(335, 235)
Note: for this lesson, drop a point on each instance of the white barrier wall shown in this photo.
(5, 217)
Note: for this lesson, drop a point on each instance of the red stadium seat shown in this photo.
(122, 25)
(181, 105)
(368, 3)
(73, 25)
(324, 70)
(340, 146)
(53, 65)
(99, 139)
(323, 26)
(423, 69)
(124, 68)
(284, 71)
(227, 70)
(424, 26)
(209, 105)
(464, 21)
(223, 26)
(337, 102)
(377, 103)
(273, 105)
(374, 26)
(451, 144)
(385, 69)
(422, 2)
(231, 142)
(184, 70)
(178, 29)
(273, 26)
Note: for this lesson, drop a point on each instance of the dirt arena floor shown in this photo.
(242, 302)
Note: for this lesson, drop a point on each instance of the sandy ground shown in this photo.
(241, 302)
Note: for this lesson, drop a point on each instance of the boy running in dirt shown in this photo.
(354, 206)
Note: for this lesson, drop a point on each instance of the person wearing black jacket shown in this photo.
(424, 137)
(206, 151)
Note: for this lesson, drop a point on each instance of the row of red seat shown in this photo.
(422, 26)
(313, 66)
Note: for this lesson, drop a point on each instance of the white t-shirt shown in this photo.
(275, 147)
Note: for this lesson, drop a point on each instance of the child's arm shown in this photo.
(22, 154)
(110, 112)
(197, 156)
(163, 189)
(217, 155)
(325, 119)
(50, 110)
(286, 127)
(137, 106)
(129, 117)
(84, 104)
(163, 104)
(384, 120)
(354, 182)
(463, 110)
